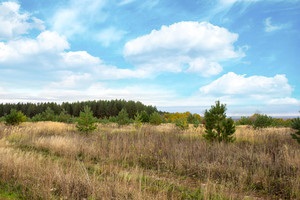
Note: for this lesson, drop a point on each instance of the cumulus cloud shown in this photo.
(200, 46)
(77, 59)
(14, 22)
(256, 87)
(204, 67)
(49, 50)
(26, 49)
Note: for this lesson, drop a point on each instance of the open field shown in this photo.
(48, 160)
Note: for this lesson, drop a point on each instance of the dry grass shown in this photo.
(52, 161)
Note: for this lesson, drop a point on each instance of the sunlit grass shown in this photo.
(49, 160)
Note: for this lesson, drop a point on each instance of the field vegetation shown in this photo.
(52, 160)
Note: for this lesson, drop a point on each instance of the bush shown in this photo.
(182, 123)
(194, 119)
(296, 126)
(217, 126)
(86, 122)
(64, 117)
(261, 121)
(155, 118)
(14, 117)
(47, 115)
(244, 121)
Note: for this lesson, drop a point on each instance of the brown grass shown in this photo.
(53, 161)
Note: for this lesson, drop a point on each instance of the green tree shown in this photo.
(122, 118)
(217, 126)
(194, 119)
(155, 118)
(144, 116)
(182, 123)
(47, 115)
(86, 122)
(244, 121)
(296, 126)
(14, 117)
(138, 121)
(64, 117)
(262, 121)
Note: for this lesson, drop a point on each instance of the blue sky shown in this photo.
(176, 55)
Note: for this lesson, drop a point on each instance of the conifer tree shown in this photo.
(14, 117)
(218, 126)
(122, 118)
(86, 122)
(296, 126)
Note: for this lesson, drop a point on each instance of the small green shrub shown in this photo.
(262, 121)
(244, 121)
(47, 115)
(64, 117)
(155, 118)
(182, 123)
(14, 117)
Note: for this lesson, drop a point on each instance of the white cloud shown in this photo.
(14, 23)
(185, 43)
(71, 80)
(86, 62)
(110, 35)
(48, 50)
(154, 95)
(26, 49)
(77, 59)
(284, 101)
(269, 27)
(203, 67)
(78, 16)
(256, 87)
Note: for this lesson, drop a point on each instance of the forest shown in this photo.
(100, 108)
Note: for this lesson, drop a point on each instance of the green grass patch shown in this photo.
(10, 192)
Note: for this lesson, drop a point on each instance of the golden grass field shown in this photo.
(50, 160)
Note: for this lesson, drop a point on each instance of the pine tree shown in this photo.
(296, 126)
(218, 127)
(122, 118)
(14, 117)
(86, 122)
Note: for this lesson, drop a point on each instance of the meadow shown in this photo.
(51, 160)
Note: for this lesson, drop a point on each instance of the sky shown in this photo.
(175, 55)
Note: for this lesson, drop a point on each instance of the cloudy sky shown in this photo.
(176, 55)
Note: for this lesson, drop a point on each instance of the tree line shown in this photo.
(100, 108)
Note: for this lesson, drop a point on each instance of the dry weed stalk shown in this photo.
(152, 162)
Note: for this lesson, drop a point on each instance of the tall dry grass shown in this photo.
(53, 161)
